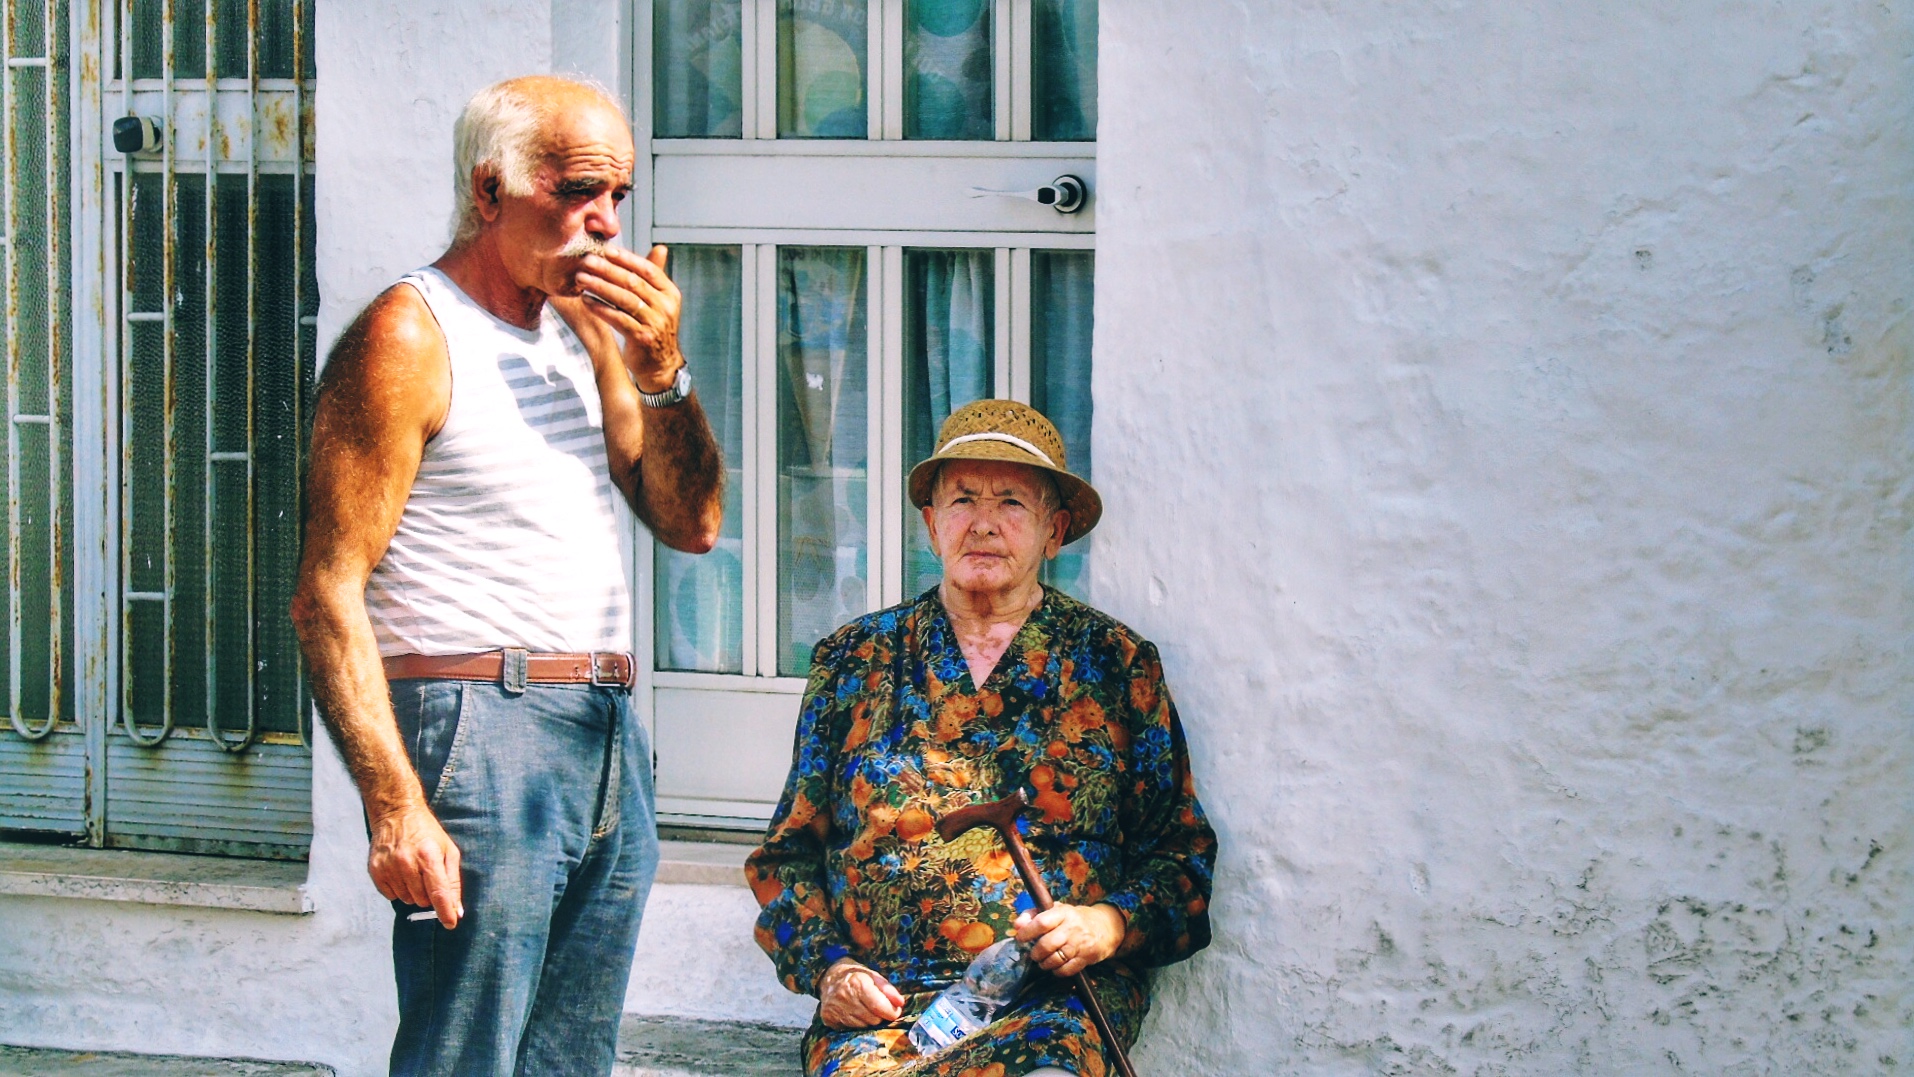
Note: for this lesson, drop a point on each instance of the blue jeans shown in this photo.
(548, 796)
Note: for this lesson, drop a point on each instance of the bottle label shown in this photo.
(942, 1023)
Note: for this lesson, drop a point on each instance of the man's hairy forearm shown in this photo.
(680, 477)
(349, 686)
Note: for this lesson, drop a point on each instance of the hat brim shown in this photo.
(1081, 499)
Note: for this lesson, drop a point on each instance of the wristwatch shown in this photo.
(679, 389)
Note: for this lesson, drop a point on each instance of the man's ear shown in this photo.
(485, 193)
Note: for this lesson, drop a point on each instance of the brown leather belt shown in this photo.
(514, 668)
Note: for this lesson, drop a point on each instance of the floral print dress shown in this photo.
(892, 736)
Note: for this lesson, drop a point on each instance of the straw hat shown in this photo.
(1012, 433)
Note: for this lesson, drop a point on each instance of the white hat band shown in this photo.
(1008, 439)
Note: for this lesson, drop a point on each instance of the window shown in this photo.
(850, 190)
(158, 389)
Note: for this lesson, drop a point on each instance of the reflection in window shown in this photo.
(823, 447)
(1063, 70)
(947, 69)
(700, 600)
(1061, 318)
(696, 72)
(949, 299)
(822, 46)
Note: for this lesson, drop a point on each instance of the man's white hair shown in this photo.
(500, 131)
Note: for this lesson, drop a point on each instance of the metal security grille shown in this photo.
(215, 346)
(159, 335)
(42, 768)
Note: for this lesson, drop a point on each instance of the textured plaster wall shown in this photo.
(1503, 417)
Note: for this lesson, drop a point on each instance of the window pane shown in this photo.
(1061, 318)
(821, 68)
(148, 45)
(282, 383)
(949, 338)
(1063, 70)
(189, 39)
(947, 69)
(696, 77)
(275, 38)
(699, 605)
(823, 449)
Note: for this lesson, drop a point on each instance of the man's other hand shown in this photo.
(633, 295)
(413, 860)
(852, 995)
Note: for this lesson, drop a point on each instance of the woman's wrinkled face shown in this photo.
(993, 524)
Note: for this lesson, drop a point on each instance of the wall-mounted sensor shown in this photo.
(136, 134)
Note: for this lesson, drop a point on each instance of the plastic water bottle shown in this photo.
(989, 984)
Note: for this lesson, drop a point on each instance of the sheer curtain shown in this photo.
(823, 448)
(949, 333)
(699, 602)
(1063, 70)
(696, 69)
(822, 45)
(947, 69)
(1061, 319)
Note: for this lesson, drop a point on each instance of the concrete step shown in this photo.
(647, 1047)
(44, 1062)
(688, 1047)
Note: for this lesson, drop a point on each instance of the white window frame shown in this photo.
(715, 724)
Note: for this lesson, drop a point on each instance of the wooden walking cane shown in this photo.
(1001, 816)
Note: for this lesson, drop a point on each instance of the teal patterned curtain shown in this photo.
(947, 70)
(699, 603)
(696, 72)
(822, 46)
(949, 337)
(1061, 319)
(823, 448)
(1063, 71)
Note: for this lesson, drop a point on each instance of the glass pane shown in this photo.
(1061, 319)
(947, 69)
(147, 38)
(1063, 70)
(189, 39)
(821, 68)
(275, 39)
(949, 341)
(189, 449)
(231, 423)
(29, 26)
(232, 37)
(823, 448)
(699, 608)
(282, 382)
(696, 77)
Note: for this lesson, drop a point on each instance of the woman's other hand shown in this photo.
(852, 995)
(1066, 939)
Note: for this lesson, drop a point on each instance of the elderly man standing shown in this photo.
(462, 601)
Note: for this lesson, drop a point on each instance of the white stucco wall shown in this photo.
(1503, 417)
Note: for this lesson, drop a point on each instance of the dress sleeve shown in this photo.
(1168, 846)
(788, 874)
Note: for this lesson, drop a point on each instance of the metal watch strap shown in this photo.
(679, 389)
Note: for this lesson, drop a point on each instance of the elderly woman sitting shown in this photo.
(984, 685)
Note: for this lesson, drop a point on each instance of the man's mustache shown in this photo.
(583, 244)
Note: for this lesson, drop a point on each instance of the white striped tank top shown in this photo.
(510, 537)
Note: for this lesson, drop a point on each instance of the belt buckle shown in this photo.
(598, 681)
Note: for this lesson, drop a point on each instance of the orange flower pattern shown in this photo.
(893, 735)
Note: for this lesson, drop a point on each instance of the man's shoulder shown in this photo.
(399, 319)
